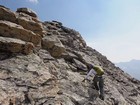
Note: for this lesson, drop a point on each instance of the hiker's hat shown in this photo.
(90, 66)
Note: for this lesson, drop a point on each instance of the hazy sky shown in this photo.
(112, 27)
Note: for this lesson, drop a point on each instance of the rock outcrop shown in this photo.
(44, 63)
(23, 25)
(15, 46)
(9, 29)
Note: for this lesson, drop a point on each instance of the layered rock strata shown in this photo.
(23, 25)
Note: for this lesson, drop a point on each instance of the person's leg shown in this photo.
(101, 86)
(95, 82)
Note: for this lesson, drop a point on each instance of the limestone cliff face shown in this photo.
(44, 63)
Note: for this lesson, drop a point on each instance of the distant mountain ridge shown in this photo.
(132, 67)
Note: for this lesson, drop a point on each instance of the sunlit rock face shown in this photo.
(44, 63)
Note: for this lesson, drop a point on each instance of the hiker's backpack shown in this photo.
(98, 70)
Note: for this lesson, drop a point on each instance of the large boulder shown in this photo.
(30, 23)
(24, 17)
(54, 45)
(27, 11)
(28, 19)
(15, 45)
(9, 29)
(6, 14)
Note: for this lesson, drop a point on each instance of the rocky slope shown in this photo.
(44, 63)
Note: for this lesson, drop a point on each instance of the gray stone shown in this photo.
(27, 11)
(9, 29)
(6, 14)
(15, 46)
(53, 45)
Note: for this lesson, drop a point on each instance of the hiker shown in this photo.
(98, 81)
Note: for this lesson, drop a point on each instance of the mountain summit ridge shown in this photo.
(132, 67)
(44, 63)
